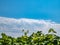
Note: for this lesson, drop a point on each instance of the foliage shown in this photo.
(37, 38)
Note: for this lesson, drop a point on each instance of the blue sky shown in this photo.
(35, 9)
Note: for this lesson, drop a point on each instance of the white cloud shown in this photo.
(13, 26)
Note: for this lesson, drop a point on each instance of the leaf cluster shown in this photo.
(37, 38)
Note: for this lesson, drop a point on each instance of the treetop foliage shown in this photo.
(37, 38)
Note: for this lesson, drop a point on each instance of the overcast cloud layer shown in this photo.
(13, 27)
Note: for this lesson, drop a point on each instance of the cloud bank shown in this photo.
(13, 27)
